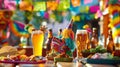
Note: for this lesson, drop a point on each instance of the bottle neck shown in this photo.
(50, 35)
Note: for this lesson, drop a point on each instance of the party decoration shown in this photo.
(87, 1)
(76, 18)
(57, 44)
(52, 5)
(87, 27)
(113, 8)
(75, 3)
(98, 14)
(29, 28)
(53, 16)
(64, 5)
(10, 4)
(26, 5)
(115, 20)
(46, 15)
(39, 6)
(42, 14)
(93, 9)
(68, 37)
(74, 10)
(18, 29)
(84, 9)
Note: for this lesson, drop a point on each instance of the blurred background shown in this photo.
(56, 14)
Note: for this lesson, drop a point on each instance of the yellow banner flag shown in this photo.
(39, 6)
(75, 3)
(26, 5)
(52, 5)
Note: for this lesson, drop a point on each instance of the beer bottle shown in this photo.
(110, 42)
(94, 38)
(60, 33)
(117, 43)
(49, 40)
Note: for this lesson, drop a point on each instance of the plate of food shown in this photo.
(24, 62)
(22, 59)
(105, 58)
(63, 58)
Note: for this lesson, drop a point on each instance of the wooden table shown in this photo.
(78, 64)
(47, 64)
(59, 64)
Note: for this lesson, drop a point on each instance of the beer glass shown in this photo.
(37, 42)
(81, 41)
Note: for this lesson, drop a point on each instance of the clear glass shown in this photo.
(37, 42)
(81, 41)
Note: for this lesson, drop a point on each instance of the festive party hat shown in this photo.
(70, 25)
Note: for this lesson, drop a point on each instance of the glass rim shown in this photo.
(81, 31)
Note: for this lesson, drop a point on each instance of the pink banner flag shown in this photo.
(0, 4)
(11, 5)
(94, 9)
(87, 1)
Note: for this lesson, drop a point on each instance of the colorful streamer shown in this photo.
(18, 29)
(115, 20)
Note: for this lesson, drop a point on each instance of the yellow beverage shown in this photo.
(81, 41)
(37, 42)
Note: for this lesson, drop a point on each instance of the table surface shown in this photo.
(52, 64)
(58, 64)
(78, 64)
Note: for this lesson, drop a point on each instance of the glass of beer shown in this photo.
(37, 42)
(81, 42)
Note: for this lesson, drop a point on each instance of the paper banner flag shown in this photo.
(74, 10)
(64, 5)
(10, 4)
(76, 18)
(84, 9)
(46, 15)
(87, 1)
(58, 1)
(52, 5)
(25, 5)
(39, 6)
(75, 3)
(94, 9)
(98, 14)
(92, 16)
